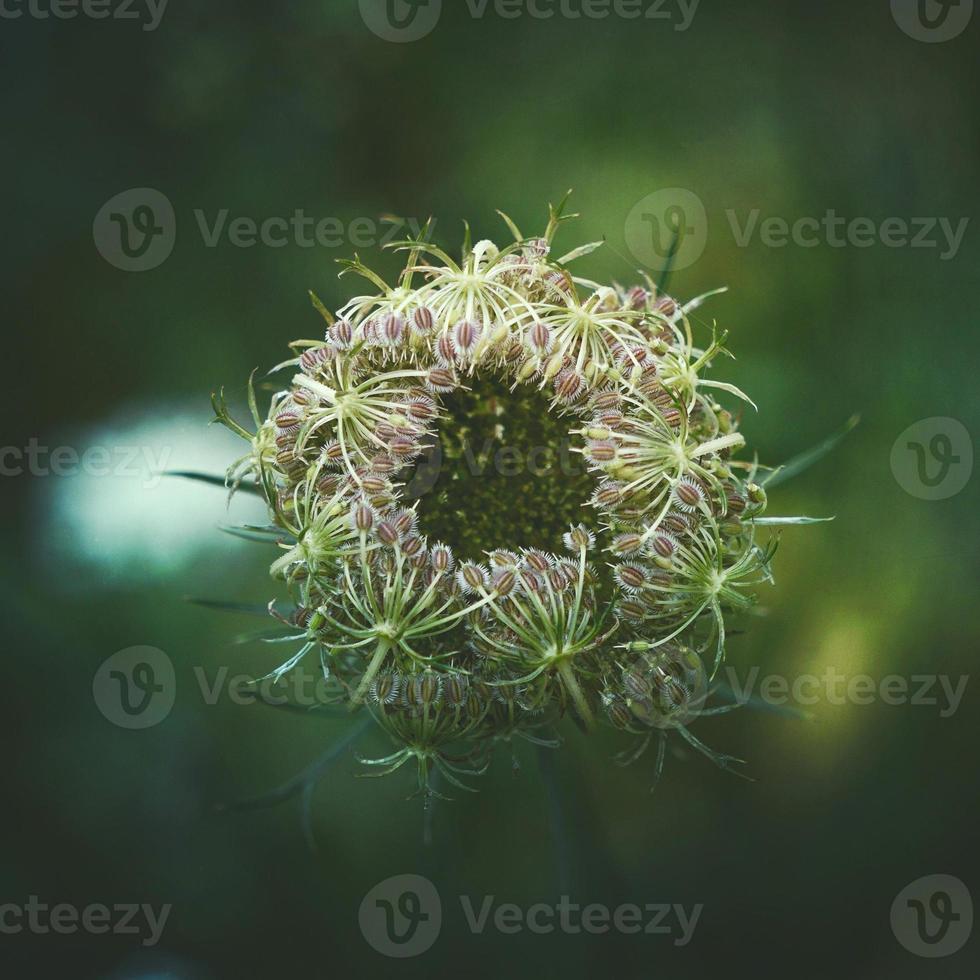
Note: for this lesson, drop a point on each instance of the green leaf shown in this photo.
(774, 521)
(214, 481)
(321, 309)
(577, 253)
(253, 609)
(806, 459)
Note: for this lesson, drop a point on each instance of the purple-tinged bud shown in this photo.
(569, 385)
(689, 494)
(466, 336)
(539, 338)
(387, 533)
(441, 556)
(341, 334)
(577, 538)
(627, 544)
(423, 321)
(392, 329)
(363, 517)
(630, 577)
(472, 577)
(441, 380)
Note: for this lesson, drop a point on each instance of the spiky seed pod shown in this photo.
(454, 689)
(386, 688)
(627, 544)
(387, 533)
(441, 557)
(630, 577)
(472, 577)
(466, 335)
(689, 495)
(440, 379)
(423, 322)
(577, 538)
(341, 334)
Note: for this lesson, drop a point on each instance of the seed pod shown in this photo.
(636, 682)
(383, 464)
(363, 517)
(341, 334)
(428, 688)
(631, 609)
(454, 689)
(664, 545)
(608, 495)
(423, 321)
(665, 305)
(552, 366)
(630, 577)
(618, 712)
(577, 538)
(421, 408)
(392, 329)
(288, 421)
(466, 336)
(441, 557)
(503, 580)
(413, 545)
(538, 561)
(385, 688)
(627, 544)
(405, 521)
(387, 533)
(472, 577)
(445, 350)
(689, 494)
(569, 385)
(527, 370)
(501, 558)
(637, 298)
(539, 338)
(440, 379)
(600, 451)
(403, 446)
(313, 357)
(372, 484)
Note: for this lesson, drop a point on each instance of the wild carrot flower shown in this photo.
(625, 619)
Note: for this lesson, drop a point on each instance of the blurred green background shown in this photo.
(794, 109)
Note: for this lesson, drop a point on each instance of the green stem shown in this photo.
(381, 651)
(575, 692)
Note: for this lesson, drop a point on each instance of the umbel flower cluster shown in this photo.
(622, 621)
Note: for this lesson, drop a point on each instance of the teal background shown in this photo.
(793, 108)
